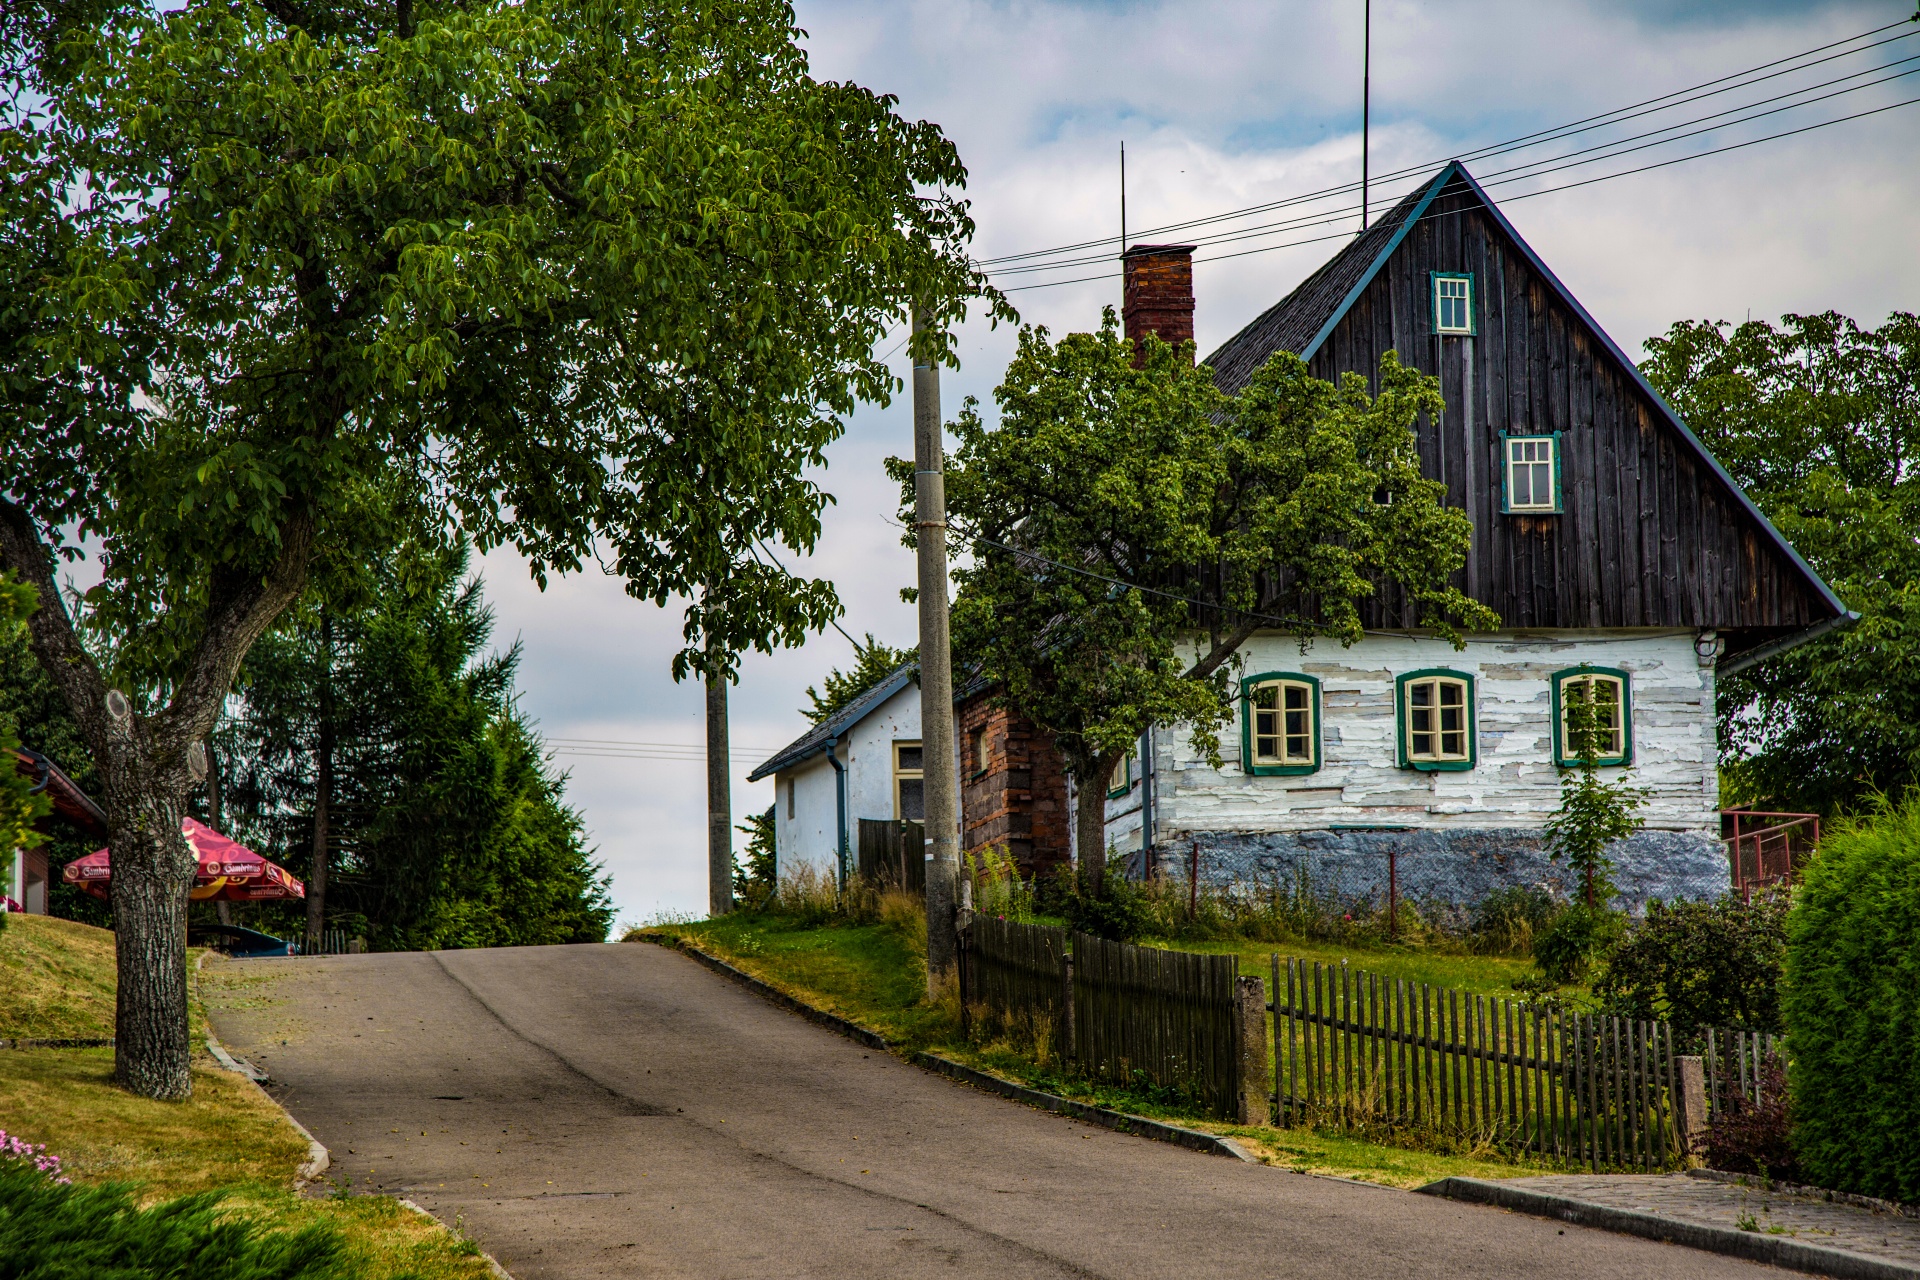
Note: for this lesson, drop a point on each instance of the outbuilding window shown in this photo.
(1452, 303)
(1532, 465)
(1436, 720)
(1280, 723)
(909, 783)
(1610, 692)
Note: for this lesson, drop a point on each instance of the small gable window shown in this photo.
(1532, 466)
(1452, 303)
(1436, 720)
(1601, 700)
(1280, 723)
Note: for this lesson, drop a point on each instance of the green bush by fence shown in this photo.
(1851, 1008)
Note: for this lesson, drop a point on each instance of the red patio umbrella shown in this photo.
(227, 869)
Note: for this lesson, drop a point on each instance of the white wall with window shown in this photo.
(881, 755)
(1409, 732)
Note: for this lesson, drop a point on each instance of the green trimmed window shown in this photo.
(1452, 302)
(1436, 720)
(1122, 780)
(1280, 723)
(1530, 473)
(1612, 693)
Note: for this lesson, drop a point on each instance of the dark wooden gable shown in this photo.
(1653, 533)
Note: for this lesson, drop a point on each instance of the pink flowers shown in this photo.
(13, 1148)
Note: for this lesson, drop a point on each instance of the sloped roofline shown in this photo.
(814, 741)
(1674, 420)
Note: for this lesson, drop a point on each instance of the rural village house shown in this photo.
(1625, 563)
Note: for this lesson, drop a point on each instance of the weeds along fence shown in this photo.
(1736, 1068)
(1361, 1051)
(1119, 1013)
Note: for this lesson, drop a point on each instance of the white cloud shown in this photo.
(1223, 105)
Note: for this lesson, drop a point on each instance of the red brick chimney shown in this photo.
(1158, 293)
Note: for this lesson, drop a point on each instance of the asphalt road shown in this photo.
(620, 1111)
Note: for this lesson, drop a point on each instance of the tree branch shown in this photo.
(1223, 649)
(50, 630)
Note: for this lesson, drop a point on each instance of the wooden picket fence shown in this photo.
(1120, 1013)
(1359, 1050)
(1164, 1015)
(892, 854)
(1016, 978)
(1735, 1062)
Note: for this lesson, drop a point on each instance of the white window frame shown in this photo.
(1517, 451)
(1442, 297)
(1437, 732)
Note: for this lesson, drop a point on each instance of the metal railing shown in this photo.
(1763, 847)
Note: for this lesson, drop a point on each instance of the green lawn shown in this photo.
(1483, 975)
(875, 975)
(57, 981)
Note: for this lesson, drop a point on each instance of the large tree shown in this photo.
(588, 274)
(1130, 528)
(1819, 420)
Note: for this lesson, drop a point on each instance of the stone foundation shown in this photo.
(1448, 867)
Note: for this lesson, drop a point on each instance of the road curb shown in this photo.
(319, 1160)
(1106, 1117)
(493, 1264)
(1754, 1246)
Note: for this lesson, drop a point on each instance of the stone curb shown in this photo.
(1754, 1246)
(1119, 1121)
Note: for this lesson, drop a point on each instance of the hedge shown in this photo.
(1852, 1007)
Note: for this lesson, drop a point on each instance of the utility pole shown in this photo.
(719, 796)
(936, 668)
(1366, 103)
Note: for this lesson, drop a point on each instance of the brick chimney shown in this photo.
(1158, 293)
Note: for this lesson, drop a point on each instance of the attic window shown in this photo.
(1452, 303)
(1532, 465)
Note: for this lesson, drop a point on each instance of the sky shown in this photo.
(1222, 106)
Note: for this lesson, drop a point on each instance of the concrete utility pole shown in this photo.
(936, 669)
(719, 802)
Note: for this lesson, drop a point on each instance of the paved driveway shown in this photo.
(620, 1111)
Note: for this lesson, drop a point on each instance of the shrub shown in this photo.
(754, 870)
(1701, 964)
(1507, 921)
(1852, 1019)
(1123, 912)
(1754, 1137)
(52, 1231)
(1579, 935)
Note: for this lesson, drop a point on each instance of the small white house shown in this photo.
(861, 762)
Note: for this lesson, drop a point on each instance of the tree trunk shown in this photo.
(719, 802)
(1090, 827)
(217, 818)
(322, 794)
(152, 875)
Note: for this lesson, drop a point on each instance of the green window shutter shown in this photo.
(1563, 750)
(1431, 706)
(1280, 710)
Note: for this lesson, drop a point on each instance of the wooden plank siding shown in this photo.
(1650, 537)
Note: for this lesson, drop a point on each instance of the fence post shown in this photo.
(1690, 1103)
(1250, 1025)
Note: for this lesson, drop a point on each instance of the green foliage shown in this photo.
(1119, 908)
(1109, 497)
(1819, 420)
(1853, 966)
(52, 1232)
(998, 887)
(1593, 814)
(1755, 1137)
(1579, 936)
(1506, 921)
(1701, 964)
(450, 828)
(19, 807)
(755, 870)
(872, 663)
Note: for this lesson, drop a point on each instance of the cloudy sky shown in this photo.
(1231, 104)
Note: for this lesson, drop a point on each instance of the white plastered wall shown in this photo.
(811, 835)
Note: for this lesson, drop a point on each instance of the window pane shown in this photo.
(1265, 695)
(909, 759)
(913, 799)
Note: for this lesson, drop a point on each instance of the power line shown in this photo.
(1525, 195)
(1677, 97)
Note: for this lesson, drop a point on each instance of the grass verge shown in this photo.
(229, 1137)
(875, 975)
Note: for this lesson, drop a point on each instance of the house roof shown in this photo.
(1305, 318)
(69, 801)
(814, 741)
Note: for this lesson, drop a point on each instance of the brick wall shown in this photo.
(1019, 798)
